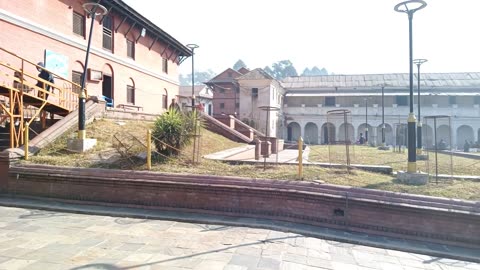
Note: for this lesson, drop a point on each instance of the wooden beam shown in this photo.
(151, 45)
(118, 27)
(101, 21)
(140, 34)
(174, 51)
(182, 58)
(131, 26)
(164, 50)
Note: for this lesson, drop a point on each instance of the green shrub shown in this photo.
(173, 131)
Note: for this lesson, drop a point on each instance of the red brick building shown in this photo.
(226, 98)
(132, 60)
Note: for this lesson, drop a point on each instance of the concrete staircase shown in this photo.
(217, 126)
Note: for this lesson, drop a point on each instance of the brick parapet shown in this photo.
(379, 212)
(4, 169)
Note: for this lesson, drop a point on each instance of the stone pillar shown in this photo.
(232, 122)
(302, 128)
(273, 144)
(258, 145)
(277, 145)
(266, 148)
(453, 129)
(252, 135)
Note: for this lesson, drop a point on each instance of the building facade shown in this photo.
(226, 98)
(304, 105)
(261, 99)
(203, 98)
(309, 99)
(132, 60)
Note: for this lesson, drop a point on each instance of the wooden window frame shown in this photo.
(130, 94)
(130, 49)
(82, 23)
(107, 33)
(165, 65)
(76, 78)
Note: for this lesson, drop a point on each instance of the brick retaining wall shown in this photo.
(379, 212)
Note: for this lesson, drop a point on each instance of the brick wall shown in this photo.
(384, 213)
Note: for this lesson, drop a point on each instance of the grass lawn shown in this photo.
(105, 131)
(398, 161)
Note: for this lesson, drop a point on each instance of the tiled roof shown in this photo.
(394, 80)
(228, 75)
(256, 74)
(151, 28)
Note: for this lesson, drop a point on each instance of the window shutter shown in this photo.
(78, 24)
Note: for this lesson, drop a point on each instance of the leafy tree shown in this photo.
(282, 69)
(306, 72)
(239, 64)
(172, 131)
(200, 77)
(315, 71)
(268, 70)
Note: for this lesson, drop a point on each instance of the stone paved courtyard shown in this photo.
(44, 240)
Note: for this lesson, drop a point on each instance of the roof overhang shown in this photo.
(122, 8)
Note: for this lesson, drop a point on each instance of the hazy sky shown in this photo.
(344, 36)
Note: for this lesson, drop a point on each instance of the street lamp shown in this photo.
(92, 9)
(410, 7)
(366, 120)
(192, 47)
(419, 62)
(383, 117)
(384, 145)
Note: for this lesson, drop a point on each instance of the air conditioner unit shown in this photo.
(95, 75)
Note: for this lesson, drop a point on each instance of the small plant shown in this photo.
(172, 131)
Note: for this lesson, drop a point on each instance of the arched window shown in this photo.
(131, 92)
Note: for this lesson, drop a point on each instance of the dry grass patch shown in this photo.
(104, 130)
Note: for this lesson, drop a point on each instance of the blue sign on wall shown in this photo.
(57, 63)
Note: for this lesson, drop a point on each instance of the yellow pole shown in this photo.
(149, 149)
(25, 146)
(300, 158)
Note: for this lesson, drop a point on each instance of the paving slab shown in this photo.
(112, 238)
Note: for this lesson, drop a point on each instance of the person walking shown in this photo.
(46, 76)
(362, 139)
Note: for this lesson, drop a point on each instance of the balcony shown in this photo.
(357, 109)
